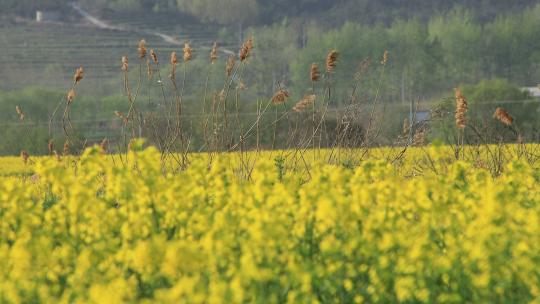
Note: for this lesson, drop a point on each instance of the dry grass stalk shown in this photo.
(19, 112)
(213, 53)
(142, 49)
(314, 73)
(71, 96)
(331, 60)
(25, 156)
(154, 56)
(461, 109)
(280, 96)
(188, 52)
(503, 116)
(50, 146)
(304, 103)
(231, 61)
(245, 50)
(57, 155)
(79, 73)
(121, 116)
(385, 58)
(149, 70)
(103, 145)
(125, 64)
(66, 147)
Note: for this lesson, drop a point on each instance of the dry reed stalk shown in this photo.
(79, 74)
(19, 112)
(231, 61)
(149, 69)
(71, 96)
(154, 56)
(174, 59)
(213, 53)
(121, 116)
(304, 103)
(406, 126)
(503, 116)
(103, 145)
(419, 137)
(245, 50)
(314, 73)
(50, 146)
(241, 86)
(25, 156)
(331, 60)
(142, 49)
(57, 155)
(461, 109)
(280, 96)
(188, 52)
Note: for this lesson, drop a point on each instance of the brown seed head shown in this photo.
(142, 49)
(125, 64)
(50, 146)
(174, 59)
(231, 61)
(79, 73)
(245, 50)
(20, 112)
(304, 103)
(314, 72)
(503, 116)
(461, 109)
(331, 60)
(70, 96)
(66, 147)
(25, 156)
(385, 58)
(213, 53)
(154, 56)
(188, 52)
(280, 96)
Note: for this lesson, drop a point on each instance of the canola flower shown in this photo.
(100, 233)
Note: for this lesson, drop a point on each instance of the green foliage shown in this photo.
(494, 90)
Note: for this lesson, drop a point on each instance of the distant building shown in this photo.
(533, 91)
(47, 16)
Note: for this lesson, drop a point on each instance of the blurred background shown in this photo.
(489, 48)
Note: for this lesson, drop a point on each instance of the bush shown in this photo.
(494, 90)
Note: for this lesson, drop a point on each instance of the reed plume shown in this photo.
(125, 64)
(66, 147)
(245, 50)
(19, 112)
(50, 146)
(25, 156)
(304, 103)
(154, 56)
(79, 73)
(213, 53)
(142, 49)
(188, 52)
(231, 61)
(174, 59)
(314, 73)
(71, 96)
(461, 109)
(503, 116)
(385, 58)
(331, 60)
(280, 96)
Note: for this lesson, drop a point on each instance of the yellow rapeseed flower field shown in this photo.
(422, 228)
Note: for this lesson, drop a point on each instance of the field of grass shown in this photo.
(330, 226)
